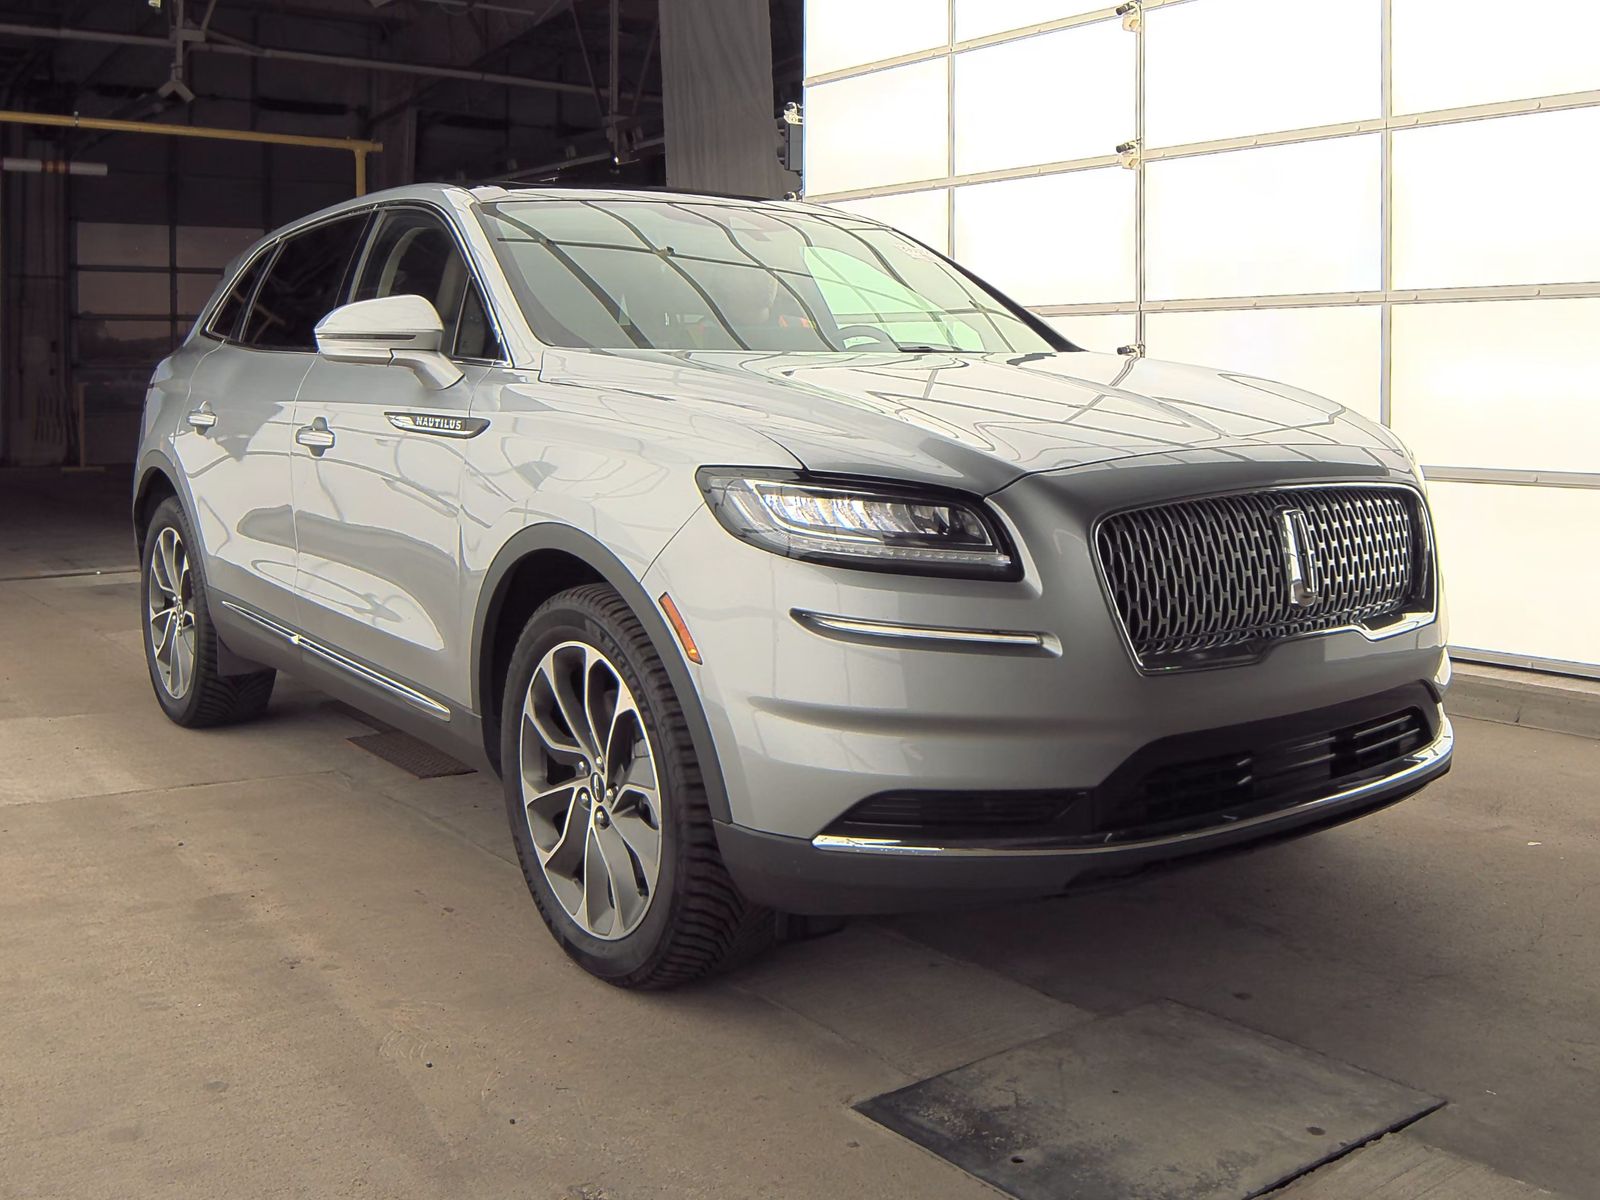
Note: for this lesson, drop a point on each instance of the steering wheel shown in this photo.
(870, 332)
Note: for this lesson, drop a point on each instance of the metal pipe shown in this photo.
(354, 146)
(644, 68)
(615, 98)
(111, 125)
(85, 35)
(396, 68)
(588, 67)
(52, 166)
(305, 56)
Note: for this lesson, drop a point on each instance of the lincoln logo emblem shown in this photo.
(1299, 559)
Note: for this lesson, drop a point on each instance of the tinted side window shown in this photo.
(475, 336)
(303, 286)
(225, 322)
(412, 253)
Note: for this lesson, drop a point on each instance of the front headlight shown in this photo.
(860, 523)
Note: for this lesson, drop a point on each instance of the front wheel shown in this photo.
(607, 804)
(180, 643)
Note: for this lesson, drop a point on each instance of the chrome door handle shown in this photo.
(201, 418)
(316, 436)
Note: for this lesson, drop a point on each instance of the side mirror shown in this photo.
(402, 330)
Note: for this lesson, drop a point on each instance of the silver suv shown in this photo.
(777, 564)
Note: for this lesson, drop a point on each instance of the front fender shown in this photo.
(566, 540)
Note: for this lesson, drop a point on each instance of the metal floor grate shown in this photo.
(410, 754)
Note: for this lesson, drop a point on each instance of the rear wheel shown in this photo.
(180, 643)
(607, 803)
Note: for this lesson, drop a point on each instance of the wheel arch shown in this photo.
(156, 484)
(539, 562)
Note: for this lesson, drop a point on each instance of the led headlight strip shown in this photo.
(865, 523)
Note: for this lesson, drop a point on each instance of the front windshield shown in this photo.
(678, 274)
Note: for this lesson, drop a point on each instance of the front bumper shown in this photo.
(824, 687)
(844, 875)
(809, 715)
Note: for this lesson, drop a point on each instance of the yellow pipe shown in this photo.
(353, 145)
(10, 116)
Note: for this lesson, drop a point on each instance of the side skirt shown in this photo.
(261, 638)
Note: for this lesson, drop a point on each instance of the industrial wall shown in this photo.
(1392, 202)
(103, 275)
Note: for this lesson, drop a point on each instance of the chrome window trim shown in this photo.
(344, 663)
(932, 637)
(1417, 764)
(276, 238)
(1253, 652)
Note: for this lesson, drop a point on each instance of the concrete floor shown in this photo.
(261, 962)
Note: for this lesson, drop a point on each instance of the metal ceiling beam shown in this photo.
(245, 50)
(421, 91)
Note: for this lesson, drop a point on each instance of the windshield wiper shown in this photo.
(923, 348)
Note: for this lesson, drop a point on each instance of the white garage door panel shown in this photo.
(1045, 99)
(980, 18)
(1058, 239)
(1283, 220)
(1499, 207)
(1510, 384)
(880, 128)
(923, 215)
(1222, 68)
(1510, 200)
(847, 33)
(1450, 53)
(1103, 332)
(1512, 581)
(1334, 352)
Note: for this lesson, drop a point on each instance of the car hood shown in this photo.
(984, 420)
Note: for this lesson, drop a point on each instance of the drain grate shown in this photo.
(410, 754)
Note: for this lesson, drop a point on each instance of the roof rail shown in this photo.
(657, 188)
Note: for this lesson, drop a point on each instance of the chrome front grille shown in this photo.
(1201, 582)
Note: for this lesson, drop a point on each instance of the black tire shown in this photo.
(697, 923)
(210, 697)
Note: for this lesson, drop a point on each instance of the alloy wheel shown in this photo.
(170, 605)
(591, 790)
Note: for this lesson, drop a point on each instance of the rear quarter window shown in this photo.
(224, 322)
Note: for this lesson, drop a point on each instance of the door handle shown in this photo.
(202, 418)
(316, 437)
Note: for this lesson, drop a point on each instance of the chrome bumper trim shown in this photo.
(1419, 763)
(936, 637)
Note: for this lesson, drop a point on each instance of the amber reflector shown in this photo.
(678, 627)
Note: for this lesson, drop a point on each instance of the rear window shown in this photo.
(305, 283)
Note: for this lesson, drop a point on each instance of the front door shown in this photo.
(377, 508)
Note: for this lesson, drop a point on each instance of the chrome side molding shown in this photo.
(343, 662)
(929, 637)
(1422, 762)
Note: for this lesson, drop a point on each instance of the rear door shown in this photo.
(234, 446)
(377, 511)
